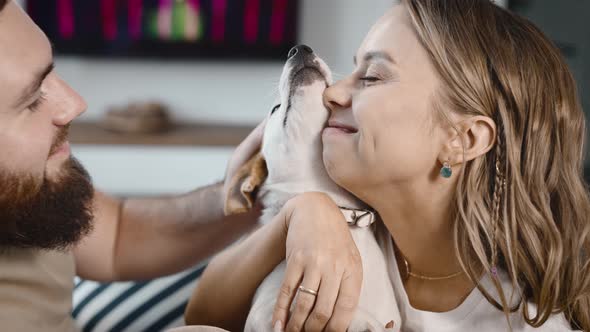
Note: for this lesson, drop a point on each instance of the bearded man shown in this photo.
(53, 224)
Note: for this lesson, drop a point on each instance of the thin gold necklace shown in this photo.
(418, 276)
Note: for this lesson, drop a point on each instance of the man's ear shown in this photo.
(244, 186)
(474, 137)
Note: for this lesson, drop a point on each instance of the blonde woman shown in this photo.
(466, 135)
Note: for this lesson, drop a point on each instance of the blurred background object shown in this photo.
(169, 28)
(138, 117)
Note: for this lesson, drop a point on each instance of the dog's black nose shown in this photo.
(299, 48)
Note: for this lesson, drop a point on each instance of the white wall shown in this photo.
(146, 171)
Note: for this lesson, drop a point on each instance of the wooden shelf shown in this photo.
(188, 134)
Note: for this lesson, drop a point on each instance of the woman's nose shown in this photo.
(338, 95)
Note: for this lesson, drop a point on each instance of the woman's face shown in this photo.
(382, 128)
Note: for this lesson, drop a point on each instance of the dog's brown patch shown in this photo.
(244, 186)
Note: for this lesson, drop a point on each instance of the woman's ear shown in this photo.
(244, 186)
(474, 137)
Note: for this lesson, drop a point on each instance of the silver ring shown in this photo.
(308, 291)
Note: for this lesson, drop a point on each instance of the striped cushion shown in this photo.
(154, 305)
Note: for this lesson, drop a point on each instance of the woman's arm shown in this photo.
(225, 291)
(312, 234)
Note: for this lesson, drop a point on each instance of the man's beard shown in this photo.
(53, 215)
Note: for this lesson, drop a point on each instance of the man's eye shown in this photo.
(37, 103)
(274, 109)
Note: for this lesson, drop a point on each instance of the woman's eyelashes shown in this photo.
(367, 80)
(37, 103)
(374, 74)
(371, 78)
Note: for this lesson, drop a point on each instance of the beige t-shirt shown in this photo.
(36, 291)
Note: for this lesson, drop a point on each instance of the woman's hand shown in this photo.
(321, 256)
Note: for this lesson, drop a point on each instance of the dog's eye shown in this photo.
(274, 109)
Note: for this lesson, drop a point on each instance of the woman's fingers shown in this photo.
(304, 300)
(324, 305)
(348, 297)
(292, 279)
(320, 245)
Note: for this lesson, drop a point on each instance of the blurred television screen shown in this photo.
(220, 29)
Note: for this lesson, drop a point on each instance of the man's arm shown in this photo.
(152, 237)
(147, 238)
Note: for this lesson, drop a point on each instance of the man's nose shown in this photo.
(71, 106)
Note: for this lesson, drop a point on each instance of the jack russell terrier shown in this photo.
(290, 163)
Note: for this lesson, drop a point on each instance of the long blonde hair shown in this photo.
(524, 204)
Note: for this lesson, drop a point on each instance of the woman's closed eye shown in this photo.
(370, 80)
(375, 74)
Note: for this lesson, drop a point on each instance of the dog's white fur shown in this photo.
(293, 154)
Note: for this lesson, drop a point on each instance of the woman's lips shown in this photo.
(334, 126)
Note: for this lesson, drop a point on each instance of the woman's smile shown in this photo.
(338, 128)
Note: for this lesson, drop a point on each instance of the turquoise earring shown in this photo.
(446, 171)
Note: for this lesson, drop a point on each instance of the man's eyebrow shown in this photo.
(375, 55)
(30, 90)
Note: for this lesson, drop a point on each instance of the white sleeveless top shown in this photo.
(474, 314)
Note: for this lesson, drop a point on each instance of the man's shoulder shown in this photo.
(43, 275)
(30, 257)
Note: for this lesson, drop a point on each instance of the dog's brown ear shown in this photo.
(244, 185)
